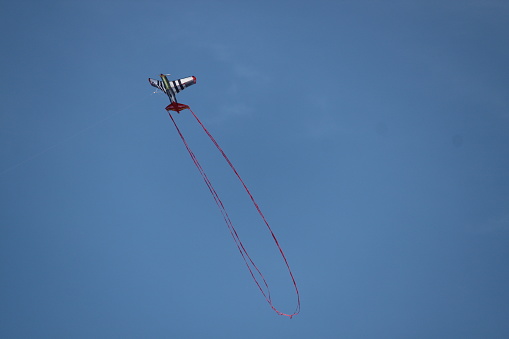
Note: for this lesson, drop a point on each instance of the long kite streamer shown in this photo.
(256, 274)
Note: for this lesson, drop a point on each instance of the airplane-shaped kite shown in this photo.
(171, 88)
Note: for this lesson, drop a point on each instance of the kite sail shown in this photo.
(173, 87)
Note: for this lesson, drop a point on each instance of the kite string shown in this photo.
(261, 215)
(247, 259)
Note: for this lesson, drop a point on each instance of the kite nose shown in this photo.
(194, 79)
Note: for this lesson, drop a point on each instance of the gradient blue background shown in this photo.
(374, 135)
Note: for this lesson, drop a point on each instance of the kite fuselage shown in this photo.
(165, 81)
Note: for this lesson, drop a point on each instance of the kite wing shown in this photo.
(181, 84)
(157, 84)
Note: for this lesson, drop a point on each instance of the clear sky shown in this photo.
(374, 135)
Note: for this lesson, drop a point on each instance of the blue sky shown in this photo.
(374, 136)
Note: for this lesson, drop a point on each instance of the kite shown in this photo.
(171, 88)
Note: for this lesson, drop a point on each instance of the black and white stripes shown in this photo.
(175, 86)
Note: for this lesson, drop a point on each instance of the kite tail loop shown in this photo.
(251, 266)
(297, 310)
